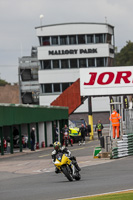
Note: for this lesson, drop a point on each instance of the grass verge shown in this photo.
(115, 196)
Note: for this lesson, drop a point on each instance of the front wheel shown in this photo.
(66, 143)
(78, 176)
(67, 173)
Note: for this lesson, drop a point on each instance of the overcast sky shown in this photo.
(18, 19)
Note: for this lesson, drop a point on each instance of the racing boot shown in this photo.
(57, 170)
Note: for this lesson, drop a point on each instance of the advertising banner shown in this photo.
(106, 81)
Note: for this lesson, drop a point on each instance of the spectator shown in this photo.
(99, 128)
(83, 131)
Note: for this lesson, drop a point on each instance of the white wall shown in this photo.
(58, 76)
(99, 104)
(49, 133)
(102, 51)
(46, 100)
(41, 133)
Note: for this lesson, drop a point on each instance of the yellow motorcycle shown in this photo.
(66, 166)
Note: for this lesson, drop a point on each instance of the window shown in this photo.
(40, 41)
(90, 39)
(65, 86)
(63, 40)
(42, 88)
(55, 64)
(72, 39)
(64, 64)
(26, 74)
(48, 88)
(81, 39)
(110, 62)
(91, 62)
(56, 87)
(41, 64)
(109, 38)
(55, 40)
(82, 63)
(27, 98)
(47, 64)
(46, 41)
(99, 38)
(111, 51)
(73, 63)
(100, 62)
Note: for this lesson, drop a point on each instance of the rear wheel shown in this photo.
(67, 173)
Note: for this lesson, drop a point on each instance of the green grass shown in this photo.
(117, 196)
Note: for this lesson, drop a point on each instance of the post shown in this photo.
(37, 132)
(29, 143)
(11, 140)
(45, 130)
(53, 135)
(90, 117)
(20, 139)
(61, 126)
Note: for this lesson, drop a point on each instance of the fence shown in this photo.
(129, 121)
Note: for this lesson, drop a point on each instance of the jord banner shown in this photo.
(105, 81)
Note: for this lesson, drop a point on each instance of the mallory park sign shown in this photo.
(72, 51)
(105, 81)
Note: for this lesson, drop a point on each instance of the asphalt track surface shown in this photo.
(31, 175)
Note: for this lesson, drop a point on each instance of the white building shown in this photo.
(64, 48)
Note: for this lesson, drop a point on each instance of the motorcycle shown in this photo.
(66, 139)
(4, 144)
(16, 141)
(66, 166)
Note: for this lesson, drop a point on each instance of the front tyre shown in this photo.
(67, 173)
(66, 143)
(78, 176)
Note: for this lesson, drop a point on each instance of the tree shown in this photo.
(125, 57)
(3, 82)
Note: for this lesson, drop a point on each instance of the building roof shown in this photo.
(13, 114)
(61, 24)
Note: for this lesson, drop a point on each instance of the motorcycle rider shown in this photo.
(57, 149)
(64, 130)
